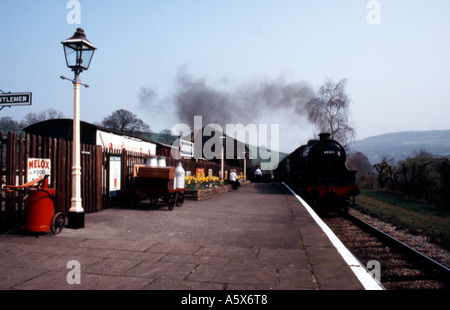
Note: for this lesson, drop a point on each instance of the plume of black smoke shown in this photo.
(244, 105)
(194, 98)
(147, 99)
(271, 101)
(292, 105)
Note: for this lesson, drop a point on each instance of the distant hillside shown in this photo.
(400, 145)
(265, 159)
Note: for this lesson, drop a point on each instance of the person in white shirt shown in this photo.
(233, 179)
(258, 175)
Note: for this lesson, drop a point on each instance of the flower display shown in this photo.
(202, 182)
(205, 182)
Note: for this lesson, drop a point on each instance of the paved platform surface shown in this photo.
(256, 238)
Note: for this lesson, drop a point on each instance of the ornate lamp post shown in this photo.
(78, 52)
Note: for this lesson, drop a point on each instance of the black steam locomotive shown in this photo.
(319, 173)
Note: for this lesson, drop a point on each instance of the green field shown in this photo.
(416, 217)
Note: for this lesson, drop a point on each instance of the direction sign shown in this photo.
(13, 99)
(186, 148)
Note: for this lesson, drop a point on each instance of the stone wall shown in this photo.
(205, 194)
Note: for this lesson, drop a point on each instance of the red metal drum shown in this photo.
(40, 210)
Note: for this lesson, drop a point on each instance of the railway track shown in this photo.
(399, 267)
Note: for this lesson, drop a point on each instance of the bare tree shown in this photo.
(165, 136)
(166, 132)
(125, 121)
(7, 123)
(384, 169)
(329, 110)
(32, 118)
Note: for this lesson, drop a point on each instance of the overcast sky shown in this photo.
(398, 70)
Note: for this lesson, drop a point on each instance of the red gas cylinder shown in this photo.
(40, 210)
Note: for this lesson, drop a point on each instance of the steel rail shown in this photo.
(428, 260)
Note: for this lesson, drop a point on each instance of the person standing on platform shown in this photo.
(258, 175)
(233, 179)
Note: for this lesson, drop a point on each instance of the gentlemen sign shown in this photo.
(15, 99)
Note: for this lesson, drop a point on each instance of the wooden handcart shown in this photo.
(158, 184)
(174, 197)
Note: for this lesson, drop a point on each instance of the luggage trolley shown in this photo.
(157, 183)
(41, 214)
(174, 197)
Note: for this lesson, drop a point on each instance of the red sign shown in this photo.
(200, 172)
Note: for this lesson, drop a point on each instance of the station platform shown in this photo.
(260, 237)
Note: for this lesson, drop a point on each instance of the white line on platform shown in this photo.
(366, 279)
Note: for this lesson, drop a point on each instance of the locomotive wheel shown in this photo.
(179, 200)
(58, 222)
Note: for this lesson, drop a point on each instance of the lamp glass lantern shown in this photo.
(78, 51)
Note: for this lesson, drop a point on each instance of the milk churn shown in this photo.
(179, 176)
(152, 161)
(161, 161)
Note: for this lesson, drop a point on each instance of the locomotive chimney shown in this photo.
(324, 136)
